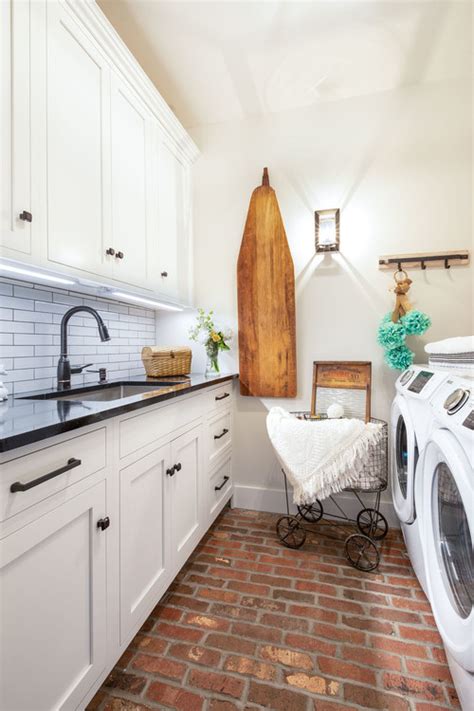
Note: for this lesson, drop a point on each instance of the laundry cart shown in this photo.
(362, 545)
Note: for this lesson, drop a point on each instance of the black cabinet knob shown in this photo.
(110, 251)
(178, 467)
(164, 274)
(170, 471)
(26, 216)
(119, 255)
(103, 523)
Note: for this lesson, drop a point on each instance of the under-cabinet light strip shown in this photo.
(34, 274)
(143, 300)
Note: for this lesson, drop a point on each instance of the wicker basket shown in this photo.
(166, 361)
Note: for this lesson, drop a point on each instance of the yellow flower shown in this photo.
(215, 337)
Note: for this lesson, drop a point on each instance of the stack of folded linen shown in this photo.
(455, 353)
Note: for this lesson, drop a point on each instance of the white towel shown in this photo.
(459, 344)
(319, 457)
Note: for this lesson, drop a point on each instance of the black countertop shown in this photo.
(24, 421)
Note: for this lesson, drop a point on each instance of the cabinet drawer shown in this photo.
(219, 434)
(220, 487)
(75, 459)
(220, 397)
(138, 431)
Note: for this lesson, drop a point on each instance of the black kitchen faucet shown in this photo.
(65, 370)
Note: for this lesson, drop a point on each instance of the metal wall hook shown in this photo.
(447, 264)
(399, 266)
(423, 265)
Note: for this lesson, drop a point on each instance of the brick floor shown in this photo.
(250, 624)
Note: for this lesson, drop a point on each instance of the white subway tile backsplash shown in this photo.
(29, 335)
(25, 292)
(30, 363)
(19, 315)
(17, 351)
(6, 289)
(32, 339)
(17, 327)
(13, 302)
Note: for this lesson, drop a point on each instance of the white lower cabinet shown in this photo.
(144, 560)
(85, 557)
(53, 611)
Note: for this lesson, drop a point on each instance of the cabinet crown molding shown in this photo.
(90, 14)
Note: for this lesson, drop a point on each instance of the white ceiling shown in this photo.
(227, 60)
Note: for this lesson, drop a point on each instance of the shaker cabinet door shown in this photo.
(53, 611)
(186, 495)
(143, 555)
(15, 146)
(131, 184)
(77, 161)
(172, 240)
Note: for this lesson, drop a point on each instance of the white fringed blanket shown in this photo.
(321, 457)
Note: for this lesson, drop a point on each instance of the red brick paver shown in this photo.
(248, 624)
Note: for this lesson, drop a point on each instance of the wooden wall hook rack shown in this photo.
(421, 260)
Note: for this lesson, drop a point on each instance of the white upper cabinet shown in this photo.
(91, 153)
(132, 156)
(172, 243)
(77, 156)
(15, 146)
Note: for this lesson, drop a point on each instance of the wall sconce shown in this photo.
(327, 230)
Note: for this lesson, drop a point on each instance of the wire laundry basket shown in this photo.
(361, 547)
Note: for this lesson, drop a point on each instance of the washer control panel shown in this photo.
(469, 421)
(423, 377)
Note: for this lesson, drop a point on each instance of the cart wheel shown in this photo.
(372, 523)
(362, 552)
(290, 531)
(311, 512)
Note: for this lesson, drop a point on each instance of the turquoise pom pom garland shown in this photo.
(391, 336)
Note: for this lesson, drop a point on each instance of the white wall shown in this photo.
(398, 164)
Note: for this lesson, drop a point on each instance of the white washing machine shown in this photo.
(411, 423)
(445, 500)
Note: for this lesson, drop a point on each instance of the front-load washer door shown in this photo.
(403, 461)
(448, 518)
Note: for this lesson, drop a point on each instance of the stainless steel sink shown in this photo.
(111, 391)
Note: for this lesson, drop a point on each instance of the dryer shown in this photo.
(411, 423)
(445, 499)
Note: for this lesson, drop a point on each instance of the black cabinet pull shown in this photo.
(103, 523)
(26, 216)
(218, 488)
(164, 274)
(224, 432)
(119, 255)
(174, 468)
(71, 464)
(221, 397)
(110, 251)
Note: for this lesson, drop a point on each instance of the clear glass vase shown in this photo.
(212, 362)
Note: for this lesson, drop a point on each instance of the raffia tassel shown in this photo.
(402, 304)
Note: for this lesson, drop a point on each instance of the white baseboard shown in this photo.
(273, 500)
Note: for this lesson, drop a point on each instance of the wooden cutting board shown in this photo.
(266, 301)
